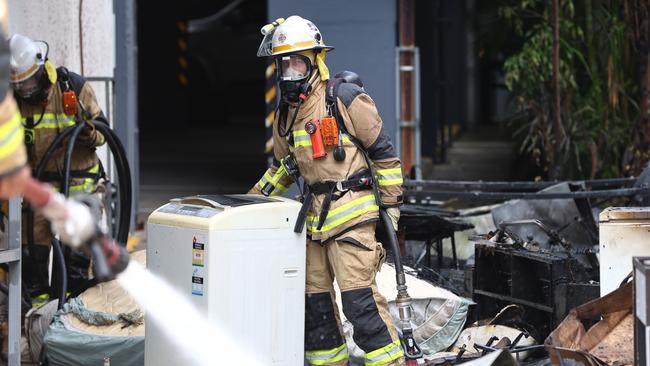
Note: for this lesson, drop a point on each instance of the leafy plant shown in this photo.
(597, 83)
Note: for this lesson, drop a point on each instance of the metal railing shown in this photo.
(108, 107)
(408, 104)
(12, 258)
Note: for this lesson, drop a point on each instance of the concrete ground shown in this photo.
(486, 153)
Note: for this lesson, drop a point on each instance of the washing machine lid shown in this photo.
(207, 206)
(224, 200)
(625, 213)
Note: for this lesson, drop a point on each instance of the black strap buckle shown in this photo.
(358, 183)
(411, 349)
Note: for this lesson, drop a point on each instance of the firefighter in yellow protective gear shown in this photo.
(340, 208)
(13, 159)
(52, 100)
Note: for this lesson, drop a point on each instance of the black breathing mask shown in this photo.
(294, 72)
(38, 98)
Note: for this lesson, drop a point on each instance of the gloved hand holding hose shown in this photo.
(70, 219)
(76, 225)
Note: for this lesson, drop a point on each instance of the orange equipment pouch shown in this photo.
(330, 131)
(70, 102)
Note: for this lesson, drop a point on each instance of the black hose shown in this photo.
(65, 190)
(63, 274)
(124, 175)
(30, 212)
(47, 155)
(383, 215)
(122, 165)
(38, 173)
(392, 239)
(124, 181)
(65, 180)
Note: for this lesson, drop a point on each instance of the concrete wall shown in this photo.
(57, 22)
(363, 33)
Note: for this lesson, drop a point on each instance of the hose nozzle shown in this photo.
(403, 302)
(110, 258)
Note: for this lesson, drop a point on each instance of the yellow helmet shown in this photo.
(292, 35)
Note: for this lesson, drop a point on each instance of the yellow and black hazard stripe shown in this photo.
(271, 99)
(182, 44)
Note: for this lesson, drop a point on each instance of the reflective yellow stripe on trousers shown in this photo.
(11, 136)
(388, 177)
(385, 355)
(327, 357)
(343, 214)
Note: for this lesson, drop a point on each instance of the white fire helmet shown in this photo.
(27, 64)
(27, 56)
(292, 35)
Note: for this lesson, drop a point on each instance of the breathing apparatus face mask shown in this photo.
(29, 87)
(39, 96)
(293, 72)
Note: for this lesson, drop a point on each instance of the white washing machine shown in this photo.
(237, 258)
(624, 233)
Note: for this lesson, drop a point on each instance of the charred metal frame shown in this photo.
(516, 186)
(422, 191)
(545, 285)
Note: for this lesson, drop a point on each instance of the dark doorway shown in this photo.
(440, 35)
(201, 98)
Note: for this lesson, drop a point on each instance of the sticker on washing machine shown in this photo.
(198, 277)
(198, 253)
(197, 286)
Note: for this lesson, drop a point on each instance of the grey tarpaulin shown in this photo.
(439, 315)
(102, 322)
(37, 323)
(66, 346)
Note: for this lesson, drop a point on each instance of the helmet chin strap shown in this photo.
(322, 67)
